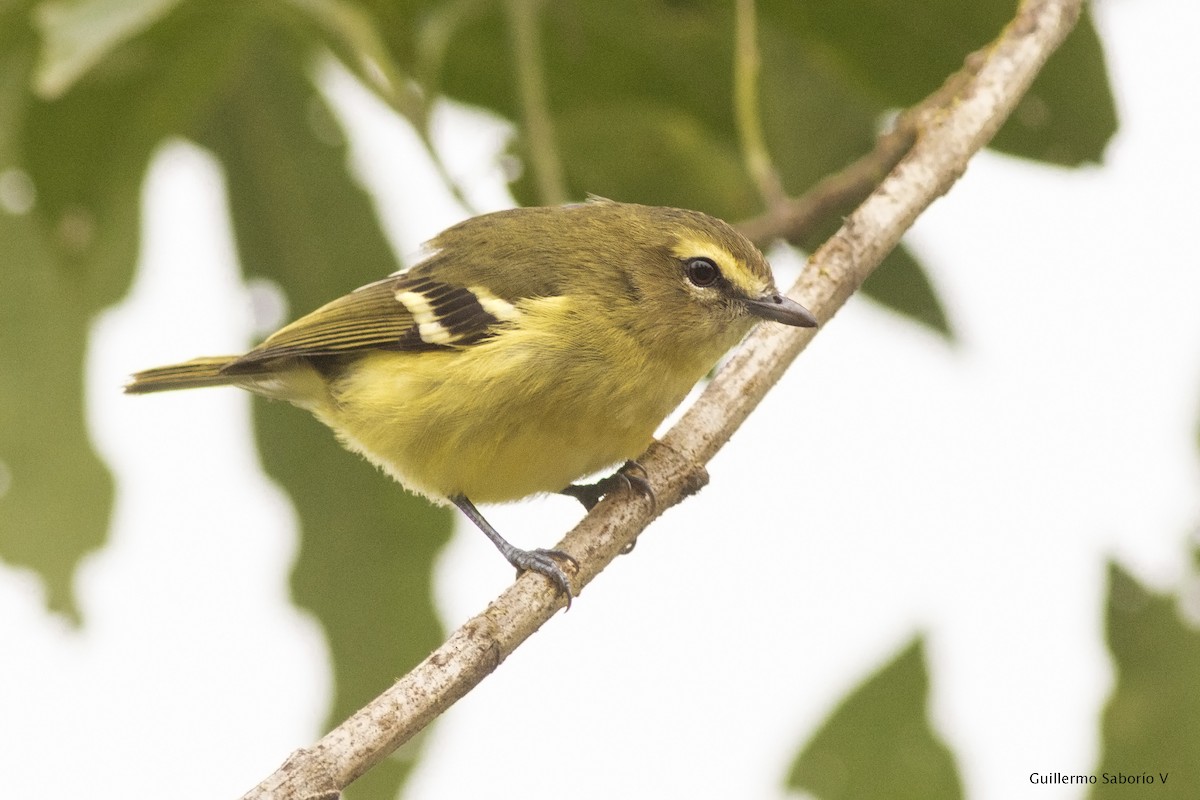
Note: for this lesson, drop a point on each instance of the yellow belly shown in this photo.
(497, 422)
(533, 409)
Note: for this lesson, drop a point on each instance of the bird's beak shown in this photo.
(779, 308)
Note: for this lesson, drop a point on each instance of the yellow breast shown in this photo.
(531, 410)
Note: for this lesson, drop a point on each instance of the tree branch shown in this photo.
(958, 121)
(794, 219)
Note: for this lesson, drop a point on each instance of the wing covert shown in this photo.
(401, 312)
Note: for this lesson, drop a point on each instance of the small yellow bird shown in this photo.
(533, 347)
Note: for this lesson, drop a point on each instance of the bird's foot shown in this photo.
(627, 477)
(545, 562)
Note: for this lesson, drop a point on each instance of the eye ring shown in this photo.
(702, 272)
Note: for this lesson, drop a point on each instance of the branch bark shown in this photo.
(948, 128)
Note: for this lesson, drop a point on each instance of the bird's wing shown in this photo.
(409, 311)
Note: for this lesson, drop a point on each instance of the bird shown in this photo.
(530, 348)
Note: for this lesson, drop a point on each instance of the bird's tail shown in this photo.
(188, 375)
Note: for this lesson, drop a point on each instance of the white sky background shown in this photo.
(891, 484)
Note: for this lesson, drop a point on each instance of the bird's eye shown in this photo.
(702, 271)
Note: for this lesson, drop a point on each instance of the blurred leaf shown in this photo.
(878, 742)
(1152, 721)
(352, 34)
(669, 59)
(88, 183)
(900, 52)
(55, 495)
(367, 546)
(815, 119)
(1068, 116)
(672, 148)
(896, 52)
(68, 254)
(77, 34)
(17, 48)
(900, 284)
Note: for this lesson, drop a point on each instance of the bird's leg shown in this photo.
(543, 562)
(589, 494)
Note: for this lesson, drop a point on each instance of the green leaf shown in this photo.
(1151, 724)
(897, 52)
(900, 52)
(78, 34)
(901, 284)
(669, 59)
(672, 149)
(88, 185)
(816, 119)
(55, 495)
(1068, 115)
(17, 52)
(352, 34)
(367, 546)
(879, 743)
(71, 253)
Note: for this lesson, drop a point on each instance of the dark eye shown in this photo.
(702, 271)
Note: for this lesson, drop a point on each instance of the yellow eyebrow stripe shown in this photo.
(736, 272)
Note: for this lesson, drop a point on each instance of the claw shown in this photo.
(589, 494)
(639, 482)
(545, 563)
